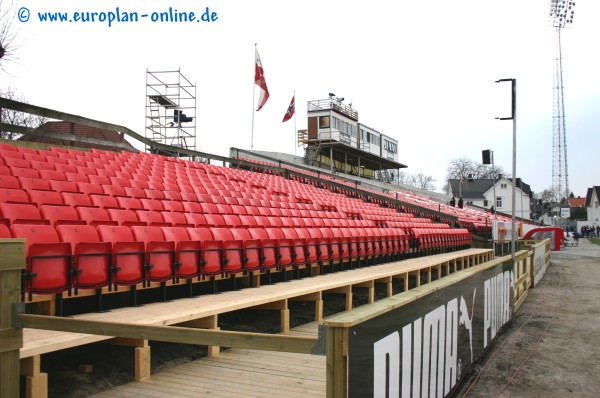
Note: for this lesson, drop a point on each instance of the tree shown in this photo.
(8, 35)
(423, 182)
(466, 168)
(548, 195)
(10, 116)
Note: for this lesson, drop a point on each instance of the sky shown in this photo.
(422, 72)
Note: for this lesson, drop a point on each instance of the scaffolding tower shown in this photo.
(170, 110)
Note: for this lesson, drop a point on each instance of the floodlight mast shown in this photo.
(561, 13)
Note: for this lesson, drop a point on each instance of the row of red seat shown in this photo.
(27, 213)
(88, 257)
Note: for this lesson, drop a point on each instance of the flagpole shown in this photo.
(295, 131)
(253, 95)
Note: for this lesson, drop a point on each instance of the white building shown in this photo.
(487, 193)
(592, 204)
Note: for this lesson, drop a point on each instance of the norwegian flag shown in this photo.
(290, 110)
(259, 80)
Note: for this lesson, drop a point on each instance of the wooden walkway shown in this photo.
(236, 373)
(203, 312)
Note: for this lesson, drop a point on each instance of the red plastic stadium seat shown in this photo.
(76, 199)
(128, 255)
(52, 175)
(176, 219)
(91, 258)
(34, 183)
(13, 195)
(15, 162)
(63, 186)
(212, 257)
(269, 246)
(95, 216)
(4, 232)
(124, 217)
(153, 218)
(252, 248)
(105, 202)
(21, 213)
(45, 197)
(113, 190)
(9, 182)
(24, 172)
(187, 252)
(192, 207)
(196, 219)
(160, 254)
(233, 250)
(58, 215)
(171, 205)
(81, 178)
(48, 268)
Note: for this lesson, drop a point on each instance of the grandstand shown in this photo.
(104, 220)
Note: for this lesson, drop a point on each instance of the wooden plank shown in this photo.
(173, 334)
(12, 262)
(190, 309)
(13, 255)
(364, 313)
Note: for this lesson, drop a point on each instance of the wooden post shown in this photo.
(12, 262)
(337, 362)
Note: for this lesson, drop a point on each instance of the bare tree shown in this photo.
(466, 168)
(423, 182)
(8, 35)
(10, 116)
(548, 195)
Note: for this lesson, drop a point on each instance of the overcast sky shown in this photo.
(421, 72)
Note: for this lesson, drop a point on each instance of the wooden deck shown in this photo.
(237, 373)
(295, 372)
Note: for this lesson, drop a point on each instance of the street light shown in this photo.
(513, 117)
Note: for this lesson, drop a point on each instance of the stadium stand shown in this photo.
(99, 220)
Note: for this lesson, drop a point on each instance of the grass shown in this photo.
(595, 241)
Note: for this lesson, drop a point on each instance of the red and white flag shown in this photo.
(290, 110)
(259, 80)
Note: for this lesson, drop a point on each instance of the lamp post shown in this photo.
(513, 117)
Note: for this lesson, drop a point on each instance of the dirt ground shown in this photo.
(551, 348)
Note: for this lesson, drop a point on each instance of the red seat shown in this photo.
(188, 252)
(76, 199)
(252, 249)
(88, 188)
(105, 202)
(153, 218)
(215, 220)
(81, 178)
(63, 186)
(24, 172)
(135, 192)
(160, 254)
(45, 197)
(233, 250)
(128, 255)
(15, 162)
(21, 213)
(48, 262)
(129, 203)
(124, 217)
(91, 258)
(52, 175)
(196, 219)
(95, 216)
(113, 190)
(269, 248)
(172, 195)
(34, 183)
(212, 259)
(170, 205)
(176, 219)
(4, 232)
(10, 195)
(152, 204)
(58, 215)
(64, 167)
(192, 207)
(189, 197)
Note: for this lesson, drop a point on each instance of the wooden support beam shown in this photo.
(209, 322)
(12, 262)
(371, 286)
(256, 341)
(142, 363)
(388, 281)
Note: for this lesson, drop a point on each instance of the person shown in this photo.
(453, 202)
(493, 209)
(460, 203)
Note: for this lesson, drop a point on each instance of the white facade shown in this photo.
(503, 200)
(593, 209)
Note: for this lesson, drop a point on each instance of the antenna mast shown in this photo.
(561, 14)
